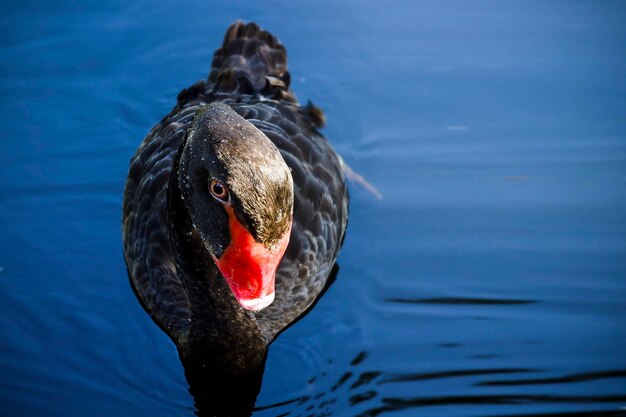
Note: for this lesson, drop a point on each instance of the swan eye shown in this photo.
(219, 190)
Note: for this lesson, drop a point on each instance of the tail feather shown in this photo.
(251, 60)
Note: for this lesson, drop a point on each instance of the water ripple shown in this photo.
(452, 374)
(398, 404)
(568, 379)
(460, 301)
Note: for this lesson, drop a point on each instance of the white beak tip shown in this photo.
(257, 304)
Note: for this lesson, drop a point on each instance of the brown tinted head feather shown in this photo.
(223, 145)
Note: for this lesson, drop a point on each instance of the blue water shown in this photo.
(490, 280)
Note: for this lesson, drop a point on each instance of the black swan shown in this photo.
(235, 208)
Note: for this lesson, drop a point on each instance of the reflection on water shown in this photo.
(361, 388)
(219, 396)
(488, 280)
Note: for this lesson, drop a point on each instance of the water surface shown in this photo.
(489, 281)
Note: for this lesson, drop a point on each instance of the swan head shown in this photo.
(238, 191)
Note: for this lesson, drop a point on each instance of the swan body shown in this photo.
(235, 208)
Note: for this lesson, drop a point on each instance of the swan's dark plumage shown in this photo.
(172, 274)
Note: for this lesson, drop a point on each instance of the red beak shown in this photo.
(249, 267)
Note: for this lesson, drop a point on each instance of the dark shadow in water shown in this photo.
(452, 374)
(299, 400)
(599, 413)
(460, 301)
(583, 377)
(224, 396)
(359, 358)
(398, 404)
